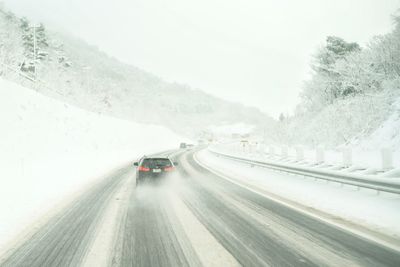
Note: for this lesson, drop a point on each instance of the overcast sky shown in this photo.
(252, 51)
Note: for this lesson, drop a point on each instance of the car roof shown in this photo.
(156, 158)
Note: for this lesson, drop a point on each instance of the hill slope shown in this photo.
(352, 91)
(49, 149)
(82, 75)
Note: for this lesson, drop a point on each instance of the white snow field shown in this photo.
(50, 150)
(342, 204)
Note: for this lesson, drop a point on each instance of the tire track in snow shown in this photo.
(101, 251)
(233, 224)
(66, 238)
(151, 233)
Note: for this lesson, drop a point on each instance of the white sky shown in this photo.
(251, 51)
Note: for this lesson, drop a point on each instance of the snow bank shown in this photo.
(338, 123)
(49, 149)
(364, 207)
(386, 136)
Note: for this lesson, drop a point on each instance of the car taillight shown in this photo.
(169, 169)
(143, 169)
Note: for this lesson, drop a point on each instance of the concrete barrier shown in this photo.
(299, 153)
(320, 155)
(284, 151)
(347, 157)
(387, 158)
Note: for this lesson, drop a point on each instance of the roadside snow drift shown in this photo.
(345, 203)
(49, 150)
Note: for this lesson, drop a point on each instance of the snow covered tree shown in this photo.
(41, 42)
(327, 83)
(350, 92)
(29, 38)
(336, 48)
(30, 35)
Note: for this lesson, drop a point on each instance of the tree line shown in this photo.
(342, 69)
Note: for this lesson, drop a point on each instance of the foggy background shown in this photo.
(255, 52)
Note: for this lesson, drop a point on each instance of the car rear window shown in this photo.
(154, 163)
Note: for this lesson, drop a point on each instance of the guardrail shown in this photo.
(381, 159)
(358, 180)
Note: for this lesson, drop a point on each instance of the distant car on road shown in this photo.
(182, 145)
(153, 169)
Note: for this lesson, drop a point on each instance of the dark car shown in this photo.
(153, 169)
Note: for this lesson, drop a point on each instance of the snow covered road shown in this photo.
(196, 218)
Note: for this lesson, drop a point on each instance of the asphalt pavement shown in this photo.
(196, 219)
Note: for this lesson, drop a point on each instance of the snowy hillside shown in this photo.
(350, 95)
(387, 134)
(341, 123)
(80, 74)
(49, 149)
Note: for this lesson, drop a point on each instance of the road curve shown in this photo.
(195, 219)
(261, 232)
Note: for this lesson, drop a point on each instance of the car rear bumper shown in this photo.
(151, 177)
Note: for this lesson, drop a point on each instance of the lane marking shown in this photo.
(209, 250)
(288, 233)
(392, 244)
